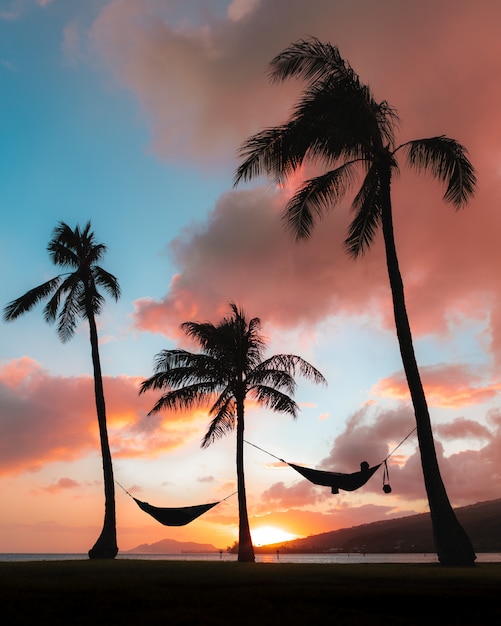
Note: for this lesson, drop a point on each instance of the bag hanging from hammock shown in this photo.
(386, 479)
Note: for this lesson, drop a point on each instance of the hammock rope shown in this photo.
(338, 480)
(398, 446)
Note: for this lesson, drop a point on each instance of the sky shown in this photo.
(130, 114)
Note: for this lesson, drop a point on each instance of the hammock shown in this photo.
(338, 480)
(174, 516)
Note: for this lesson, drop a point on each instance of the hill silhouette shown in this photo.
(481, 521)
(171, 546)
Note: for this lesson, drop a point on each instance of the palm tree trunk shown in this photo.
(245, 547)
(106, 546)
(452, 544)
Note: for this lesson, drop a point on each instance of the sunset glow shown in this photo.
(265, 535)
(131, 114)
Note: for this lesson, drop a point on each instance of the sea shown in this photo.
(277, 557)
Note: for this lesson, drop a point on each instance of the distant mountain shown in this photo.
(170, 546)
(481, 521)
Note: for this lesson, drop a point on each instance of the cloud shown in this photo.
(188, 78)
(17, 8)
(463, 428)
(469, 475)
(446, 385)
(204, 89)
(49, 418)
(243, 253)
(63, 484)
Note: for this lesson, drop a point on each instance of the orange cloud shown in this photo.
(49, 418)
(63, 484)
(450, 386)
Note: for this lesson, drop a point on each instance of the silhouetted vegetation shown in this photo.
(71, 296)
(338, 126)
(230, 368)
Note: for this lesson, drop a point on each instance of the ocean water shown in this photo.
(486, 557)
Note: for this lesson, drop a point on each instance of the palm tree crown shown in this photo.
(76, 250)
(229, 369)
(74, 295)
(338, 126)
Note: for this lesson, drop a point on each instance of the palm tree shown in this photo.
(229, 369)
(338, 124)
(78, 251)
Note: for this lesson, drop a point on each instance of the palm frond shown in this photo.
(70, 312)
(270, 152)
(223, 422)
(314, 197)
(31, 298)
(62, 255)
(171, 359)
(107, 281)
(328, 124)
(180, 376)
(204, 333)
(447, 160)
(308, 59)
(367, 208)
(184, 398)
(276, 378)
(294, 365)
(275, 400)
(341, 120)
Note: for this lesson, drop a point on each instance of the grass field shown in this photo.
(125, 592)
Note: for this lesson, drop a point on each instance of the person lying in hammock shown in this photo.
(338, 480)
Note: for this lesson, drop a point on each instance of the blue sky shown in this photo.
(130, 114)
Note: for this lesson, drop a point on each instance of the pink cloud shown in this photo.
(49, 418)
(244, 254)
(204, 90)
(63, 484)
(469, 476)
(463, 428)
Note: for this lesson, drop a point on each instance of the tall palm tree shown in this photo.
(78, 251)
(338, 126)
(229, 369)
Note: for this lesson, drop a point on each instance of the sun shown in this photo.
(264, 535)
